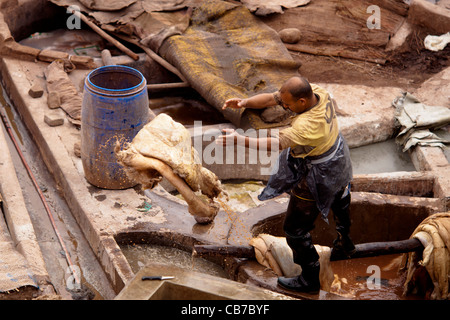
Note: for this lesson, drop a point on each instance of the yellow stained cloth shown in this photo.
(220, 47)
(315, 131)
(227, 52)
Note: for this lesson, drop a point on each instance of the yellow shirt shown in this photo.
(312, 132)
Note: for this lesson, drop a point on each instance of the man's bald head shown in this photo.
(296, 94)
(298, 87)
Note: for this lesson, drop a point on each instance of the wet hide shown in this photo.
(274, 253)
(163, 149)
(434, 234)
(59, 83)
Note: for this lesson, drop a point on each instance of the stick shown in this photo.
(107, 61)
(225, 250)
(332, 52)
(157, 58)
(158, 86)
(106, 36)
(163, 62)
(371, 249)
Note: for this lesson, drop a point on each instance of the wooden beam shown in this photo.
(224, 250)
(371, 249)
(106, 36)
(162, 86)
(360, 55)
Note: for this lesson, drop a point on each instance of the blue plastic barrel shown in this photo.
(115, 107)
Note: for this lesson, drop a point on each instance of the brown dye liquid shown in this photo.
(236, 225)
(359, 279)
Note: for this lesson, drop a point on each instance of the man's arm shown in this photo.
(231, 137)
(259, 101)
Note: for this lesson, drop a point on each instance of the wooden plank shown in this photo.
(413, 184)
(343, 52)
(371, 249)
(332, 21)
(339, 27)
(398, 7)
(224, 250)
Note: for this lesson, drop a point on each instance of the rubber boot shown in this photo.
(305, 255)
(299, 220)
(307, 282)
(343, 244)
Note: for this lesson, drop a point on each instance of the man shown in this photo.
(314, 166)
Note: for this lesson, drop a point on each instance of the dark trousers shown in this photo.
(299, 221)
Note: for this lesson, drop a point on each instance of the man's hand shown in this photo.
(229, 137)
(235, 103)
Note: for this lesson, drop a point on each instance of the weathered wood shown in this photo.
(396, 6)
(339, 27)
(412, 184)
(357, 54)
(164, 63)
(224, 250)
(19, 51)
(373, 249)
(155, 57)
(340, 22)
(106, 36)
(173, 85)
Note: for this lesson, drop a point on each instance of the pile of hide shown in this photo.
(434, 234)
(163, 148)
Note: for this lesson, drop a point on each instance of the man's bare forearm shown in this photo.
(260, 101)
(269, 144)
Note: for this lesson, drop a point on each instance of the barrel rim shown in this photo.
(118, 91)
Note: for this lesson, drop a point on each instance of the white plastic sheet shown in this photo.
(437, 43)
(415, 119)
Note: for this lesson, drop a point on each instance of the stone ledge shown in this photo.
(426, 14)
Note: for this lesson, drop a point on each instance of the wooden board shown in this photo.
(339, 27)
